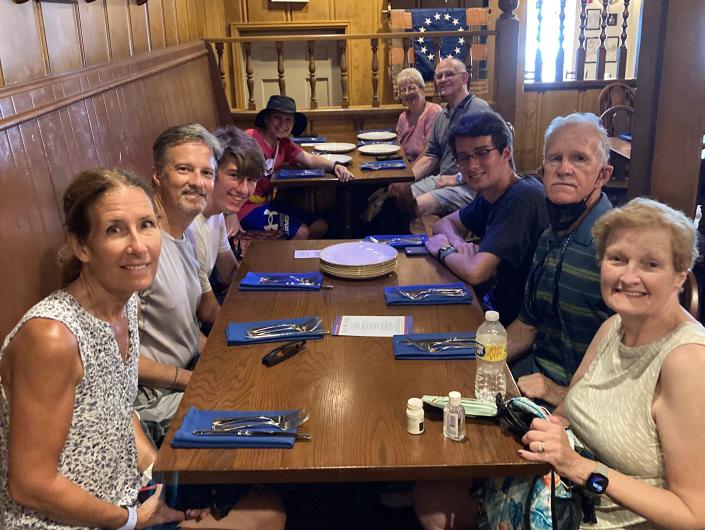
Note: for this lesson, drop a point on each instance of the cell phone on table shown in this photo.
(416, 251)
(395, 156)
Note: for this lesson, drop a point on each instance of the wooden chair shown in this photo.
(616, 93)
(689, 297)
(617, 119)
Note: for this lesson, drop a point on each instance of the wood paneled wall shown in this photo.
(43, 38)
(103, 116)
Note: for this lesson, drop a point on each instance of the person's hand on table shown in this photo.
(466, 249)
(445, 181)
(342, 173)
(154, 511)
(538, 386)
(433, 244)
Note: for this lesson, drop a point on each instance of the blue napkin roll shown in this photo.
(360, 143)
(236, 332)
(296, 173)
(382, 164)
(410, 352)
(197, 419)
(400, 240)
(626, 136)
(285, 281)
(393, 297)
(308, 139)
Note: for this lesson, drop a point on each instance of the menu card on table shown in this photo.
(372, 326)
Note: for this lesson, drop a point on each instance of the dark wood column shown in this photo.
(669, 118)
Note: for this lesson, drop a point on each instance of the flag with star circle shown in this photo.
(425, 52)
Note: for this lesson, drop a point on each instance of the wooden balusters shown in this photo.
(219, 49)
(560, 56)
(506, 52)
(311, 48)
(580, 59)
(406, 44)
(344, 100)
(622, 52)
(250, 80)
(280, 67)
(538, 60)
(375, 72)
(602, 50)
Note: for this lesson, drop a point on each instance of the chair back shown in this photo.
(616, 93)
(689, 297)
(617, 119)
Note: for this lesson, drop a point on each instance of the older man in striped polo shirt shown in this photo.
(563, 306)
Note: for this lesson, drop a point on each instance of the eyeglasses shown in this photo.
(480, 155)
(540, 278)
(450, 74)
(408, 90)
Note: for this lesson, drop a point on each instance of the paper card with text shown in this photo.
(304, 254)
(372, 326)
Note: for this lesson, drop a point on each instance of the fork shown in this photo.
(439, 345)
(287, 280)
(276, 418)
(423, 293)
(284, 424)
(312, 324)
(408, 240)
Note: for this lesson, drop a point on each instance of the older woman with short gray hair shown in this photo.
(416, 123)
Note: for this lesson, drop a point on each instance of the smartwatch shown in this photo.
(597, 481)
(335, 164)
(444, 252)
(131, 518)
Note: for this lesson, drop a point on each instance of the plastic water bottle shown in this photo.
(490, 377)
(454, 418)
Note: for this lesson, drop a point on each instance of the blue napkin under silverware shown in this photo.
(410, 352)
(626, 136)
(360, 143)
(197, 419)
(281, 281)
(236, 332)
(383, 164)
(399, 240)
(393, 296)
(296, 173)
(308, 139)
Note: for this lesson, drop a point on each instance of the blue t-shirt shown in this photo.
(509, 228)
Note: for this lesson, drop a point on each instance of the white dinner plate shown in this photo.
(341, 159)
(358, 254)
(377, 135)
(378, 149)
(334, 147)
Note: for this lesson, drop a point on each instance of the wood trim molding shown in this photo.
(575, 85)
(186, 55)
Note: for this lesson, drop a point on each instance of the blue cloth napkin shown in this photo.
(409, 352)
(626, 136)
(296, 173)
(360, 143)
(392, 296)
(382, 164)
(286, 281)
(308, 139)
(236, 332)
(400, 240)
(197, 419)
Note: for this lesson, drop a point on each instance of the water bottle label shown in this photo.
(493, 352)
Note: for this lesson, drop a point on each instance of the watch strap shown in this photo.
(444, 252)
(602, 469)
(131, 518)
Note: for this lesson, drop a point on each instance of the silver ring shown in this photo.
(541, 448)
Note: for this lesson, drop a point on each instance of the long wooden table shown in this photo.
(355, 389)
(344, 189)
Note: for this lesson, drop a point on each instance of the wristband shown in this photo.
(131, 518)
(176, 376)
(335, 164)
(444, 252)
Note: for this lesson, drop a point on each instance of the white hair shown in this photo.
(580, 118)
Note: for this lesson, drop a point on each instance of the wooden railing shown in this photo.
(506, 34)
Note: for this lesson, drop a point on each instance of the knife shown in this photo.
(254, 434)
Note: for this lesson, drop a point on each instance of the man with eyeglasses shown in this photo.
(563, 306)
(439, 188)
(508, 215)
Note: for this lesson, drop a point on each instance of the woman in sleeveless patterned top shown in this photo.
(71, 452)
(636, 399)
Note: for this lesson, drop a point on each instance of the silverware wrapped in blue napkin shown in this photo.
(296, 173)
(202, 420)
(399, 241)
(281, 281)
(308, 139)
(360, 143)
(303, 328)
(431, 294)
(383, 164)
(424, 346)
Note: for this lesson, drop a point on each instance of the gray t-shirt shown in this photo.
(168, 322)
(438, 143)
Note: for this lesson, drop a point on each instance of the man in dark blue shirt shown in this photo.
(507, 215)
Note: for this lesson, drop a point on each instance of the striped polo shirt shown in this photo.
(568, 321)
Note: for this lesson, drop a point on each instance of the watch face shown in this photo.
(596, 483)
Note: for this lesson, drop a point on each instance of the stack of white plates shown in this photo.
(358, 260)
